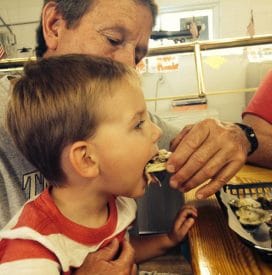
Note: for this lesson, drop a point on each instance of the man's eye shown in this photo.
(114, 42)
(139, 124)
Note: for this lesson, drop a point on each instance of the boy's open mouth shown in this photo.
(156, 164)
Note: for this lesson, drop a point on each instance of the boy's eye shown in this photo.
(139, 124)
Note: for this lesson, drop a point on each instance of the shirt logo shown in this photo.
(34, 183)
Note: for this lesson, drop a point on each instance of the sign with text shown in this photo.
(163, 64)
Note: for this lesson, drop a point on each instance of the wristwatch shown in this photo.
(251, 137)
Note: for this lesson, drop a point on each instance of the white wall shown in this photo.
(231, 74)
(232, 16)
(230, 20)
(21, 11)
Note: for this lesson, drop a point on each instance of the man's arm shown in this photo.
(263, 130)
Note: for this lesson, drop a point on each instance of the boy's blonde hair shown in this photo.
(59, 100)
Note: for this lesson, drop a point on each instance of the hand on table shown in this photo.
(103, 261)
(208, 150)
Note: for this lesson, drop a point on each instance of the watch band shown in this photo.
(251, 137)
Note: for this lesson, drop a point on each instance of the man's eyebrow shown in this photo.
(116, 27)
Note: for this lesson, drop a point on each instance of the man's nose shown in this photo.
(126, 55)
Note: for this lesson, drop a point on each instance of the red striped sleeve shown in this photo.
(13, 250)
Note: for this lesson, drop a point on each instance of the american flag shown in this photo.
(251, 25)
(2, 51)
(193, 29)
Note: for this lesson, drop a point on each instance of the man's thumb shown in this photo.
(109, 252)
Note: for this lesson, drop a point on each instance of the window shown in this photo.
(176, 26)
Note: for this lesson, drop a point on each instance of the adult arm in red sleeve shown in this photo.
(258, 115)
(263, 130)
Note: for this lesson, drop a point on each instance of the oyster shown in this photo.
(252, 216)
(243, 202)
(156, 164)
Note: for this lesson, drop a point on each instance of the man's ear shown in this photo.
(83, 159)
(51, 21)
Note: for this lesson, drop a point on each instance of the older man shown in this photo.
(121, 30)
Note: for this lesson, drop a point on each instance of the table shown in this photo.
(215, 248)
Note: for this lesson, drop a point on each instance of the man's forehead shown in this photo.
(125, 5)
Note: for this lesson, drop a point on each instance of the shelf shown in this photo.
(195, 47)
(14, 62)
(212, 45)
(181, 48)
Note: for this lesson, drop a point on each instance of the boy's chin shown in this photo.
(140, 191)
(139, 194)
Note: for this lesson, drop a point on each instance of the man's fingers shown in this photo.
(134, 270)
(200, 164)
(127, 254)
(188, 145)
(209, 148)
(215, 170)
(217, 182)
(108, 252)
(176, 141)
(106, 261)
(126, 260)
(100, 262)
(207, 163)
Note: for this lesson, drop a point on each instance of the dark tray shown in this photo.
(253, 190)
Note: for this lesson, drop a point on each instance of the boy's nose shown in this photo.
(157, 133)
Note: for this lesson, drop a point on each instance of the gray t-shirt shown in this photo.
(19, 180)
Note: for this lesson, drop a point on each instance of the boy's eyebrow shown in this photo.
(137, 115)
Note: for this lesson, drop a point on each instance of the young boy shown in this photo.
(82, 121)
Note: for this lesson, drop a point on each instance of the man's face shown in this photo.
(116, 29)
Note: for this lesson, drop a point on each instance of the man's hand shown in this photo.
(104, 261)
(207, 150)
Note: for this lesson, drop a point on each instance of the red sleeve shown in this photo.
(12, 250)
(261, 103)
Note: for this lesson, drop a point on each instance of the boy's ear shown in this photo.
(51, 21)
(83, 159)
